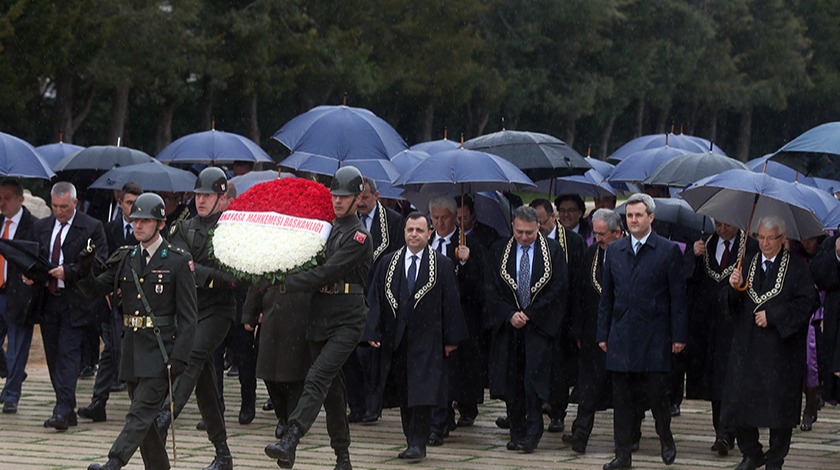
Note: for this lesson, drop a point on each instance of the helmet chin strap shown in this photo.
(215, 204)
(350, 209)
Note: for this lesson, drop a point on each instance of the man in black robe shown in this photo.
(767, 360)
(415, 320)
(526, 305)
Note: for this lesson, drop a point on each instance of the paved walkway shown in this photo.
(26, 444)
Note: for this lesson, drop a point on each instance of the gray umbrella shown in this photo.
(102, 157)
(683, 170)
(539, 156)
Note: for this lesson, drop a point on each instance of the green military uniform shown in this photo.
(168, 284)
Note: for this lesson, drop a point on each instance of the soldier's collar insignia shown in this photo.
(359, 237)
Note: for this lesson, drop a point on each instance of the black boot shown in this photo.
(113, 464)
(284, 449)
(223, 460)
(247, 412)
(95, 411)
(342, 459)
(809, 414)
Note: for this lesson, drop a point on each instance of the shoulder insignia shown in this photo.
(120, 253)
(173, 229)
(360, 237)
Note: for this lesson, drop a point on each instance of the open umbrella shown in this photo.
(380, 170)
(539, 156)
(54, 153)
(340, 133)
(783, 172)
(637, 166)
(18, 158)
(213, 148)
(689, 143)
(814, 153)
(151, 176)
(682, 170)
(244, 182)
(592, 183)
(676, 220)
(436, 146)
(102, 157)
(406, 159)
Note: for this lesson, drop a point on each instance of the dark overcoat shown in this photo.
(825, 269)
(549, 291)
(766, 365)
(427, 320)
(643, 305)
(21, 299)
(386, 232)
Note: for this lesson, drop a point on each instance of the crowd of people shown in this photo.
(425, 309)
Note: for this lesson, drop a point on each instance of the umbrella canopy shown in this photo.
(602, 167)
(689, 143)
(743, 197)
(436, 146)
(783, 172)
(539, 156)
(682, 170)
(151, 176)
(814, 153)
(821, 202)
(102, 157)
(340, 133)
(244, 182)
(592, 183)
(406, 159)
(18, 158)
(380, 170)
(213, 147)
(639, 165)
(832, 220)
(54, 153)
(676, 220)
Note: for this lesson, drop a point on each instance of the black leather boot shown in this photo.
(223, 460)
(113, 464)
(95, 411)
(342, 459)
(284, 449)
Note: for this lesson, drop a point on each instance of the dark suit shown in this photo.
(520, 358)
(66, 313)
(641, 314)
(16, 305)
(169, 286)
(826, 272)
(413, 327)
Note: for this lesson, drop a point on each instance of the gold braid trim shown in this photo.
(561, 239)
(389, 279)
(759, 300)
(595, 283)
(431, 282)
(726, 272)
(383, 227)
(541, 282)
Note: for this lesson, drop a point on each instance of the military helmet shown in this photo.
(211, 180)
(347, 180)
(148, 206)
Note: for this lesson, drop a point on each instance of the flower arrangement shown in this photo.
(274, 229)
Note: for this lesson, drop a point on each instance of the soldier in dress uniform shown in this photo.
(159, 305)
(335, 324)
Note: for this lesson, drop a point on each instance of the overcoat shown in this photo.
(21, 300)
(825, 269)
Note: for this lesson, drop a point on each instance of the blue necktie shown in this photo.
(767, 264)
(637, 247)
(523, 287)
(412, 274)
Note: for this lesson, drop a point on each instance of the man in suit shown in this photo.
(642, 320)
(415, 321)
(526, 303)
(386, 232)
(65, 312)
(118, 232)
(466, 375)
(767, 358)
(16, 301)
(159, 301)
(570, 210)
(708, 266)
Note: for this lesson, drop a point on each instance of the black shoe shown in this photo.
(355, 417)
(284, 449)
(370, 418)
(675, 410)
(221, 462)
(87, 372)
(268, 405)
(95, 411)
(578, 445)
(162, 422)
(556, 425)
(503, 422)
(465, 422)
(280, 429)
(61, 423)
(342, 459)
(529, 444)
(619, 463)
(771, 466)
(721, 446)
(750, 463)
(413, 453)
(669, 448)
(9, 407)
(514, 445)
(113, 464)
(247, 414)
(118, 387)
(201, 425)
(435, 440)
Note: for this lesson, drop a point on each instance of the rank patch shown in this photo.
(360, 237)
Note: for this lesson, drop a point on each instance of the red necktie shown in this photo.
(55, 257)
(724, 258)
(3, 258)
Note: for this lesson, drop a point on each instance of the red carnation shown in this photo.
(298, 197)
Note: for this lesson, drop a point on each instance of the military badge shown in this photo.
(360, 237)
(158, 288)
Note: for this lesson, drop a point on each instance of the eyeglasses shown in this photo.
(568, 211)
(762, 238)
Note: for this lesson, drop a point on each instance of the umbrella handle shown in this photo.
(744, 287)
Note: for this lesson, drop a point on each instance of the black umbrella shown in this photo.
(676, 220)
(24, 256)
(102, 157)
(152, 176)
(683, 170)
(539, 156)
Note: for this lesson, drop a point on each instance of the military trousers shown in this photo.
(139, 431)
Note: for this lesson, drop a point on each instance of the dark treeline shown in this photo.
(747, 74)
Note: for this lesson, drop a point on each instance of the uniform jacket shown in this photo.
(643, 305)
(19, 296)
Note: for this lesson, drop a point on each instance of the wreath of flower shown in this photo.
(274, 229)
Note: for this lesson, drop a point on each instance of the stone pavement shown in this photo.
(26, 444)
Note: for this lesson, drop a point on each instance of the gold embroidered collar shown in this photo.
(719, 276)
(595, 261)
(541, 282)
(383, 228)
(760, 300)
(393, 266)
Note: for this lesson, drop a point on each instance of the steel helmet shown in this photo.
(347, 181)
(211, 180)
(148, 206)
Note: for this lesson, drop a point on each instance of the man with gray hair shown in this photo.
(65, 312)
(642, 320)
(763, 386)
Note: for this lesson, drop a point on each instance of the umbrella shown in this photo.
(406, 159)
(820, 201)
(602, 167)
(832, 220)
(340, 133)
(814, 153)
(24, 256)
(380, 170)
(436, 146)
(244, 182)
(102, 157)
(539, 156)
(18, 158)
(783, 172)
(689, 143)
(637, 166)
(151, 176)
(492, 208)
(54, 153)
(743, 197)
(213, 147)
(592, 183)
(683, 170)
(676, 220)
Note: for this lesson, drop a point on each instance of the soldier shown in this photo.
(336, 321)
(159, 301)
(216, 314)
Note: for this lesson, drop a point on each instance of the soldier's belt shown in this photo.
(139, 322)
(343, 288)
